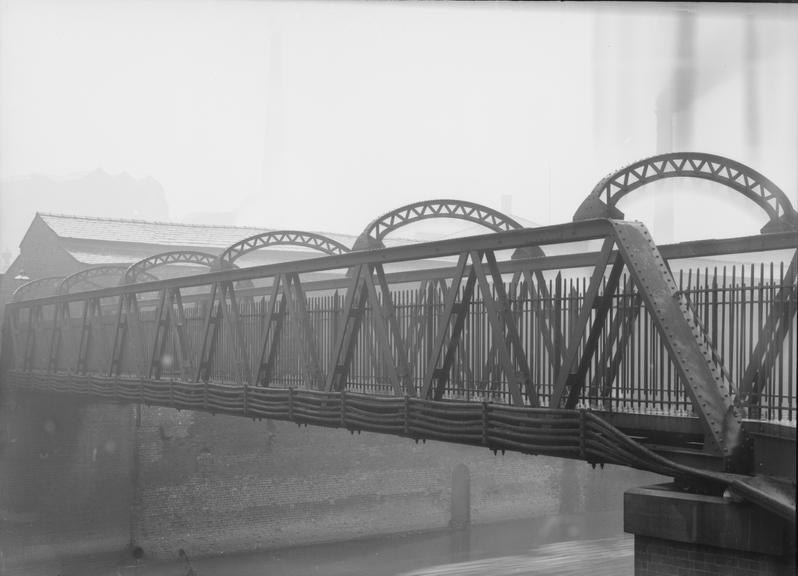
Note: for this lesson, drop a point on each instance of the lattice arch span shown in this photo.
(372, 237)
(312, 240)
(140, 270)
(39, 288)
(86, 277)
(603, 199)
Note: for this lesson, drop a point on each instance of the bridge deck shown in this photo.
(596, 367)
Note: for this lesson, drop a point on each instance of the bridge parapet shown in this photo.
(538, 341)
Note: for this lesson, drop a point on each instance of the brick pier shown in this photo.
(678, 533)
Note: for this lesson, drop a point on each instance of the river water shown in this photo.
(543, 546)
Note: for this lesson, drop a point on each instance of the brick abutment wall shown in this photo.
(657, 557)
(81, 478)
(703, 535)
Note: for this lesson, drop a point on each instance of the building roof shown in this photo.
(143, 232)
(102, 256)
(95, 241)
(166, 233)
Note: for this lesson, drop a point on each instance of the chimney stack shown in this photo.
(507, 203)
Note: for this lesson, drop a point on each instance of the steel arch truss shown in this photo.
(372, 236)
(86, 279)
(626, 245)
(38, 288)
(602, 200)
(312, 240)
(139, 271)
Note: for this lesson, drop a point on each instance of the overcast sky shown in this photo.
(324, 115)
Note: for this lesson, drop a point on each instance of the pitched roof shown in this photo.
(107, 256)
(143, 232)
(168, 233)
(93, 240)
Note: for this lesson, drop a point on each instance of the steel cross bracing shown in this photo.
(527, 355)
(292, 303)
(34, 353)
(372, 237)
(770, 344)
(169, 319)
(477, 267)
(750, 183)
(526, 266)
(620, 330)
(363, 288)
(502, 323)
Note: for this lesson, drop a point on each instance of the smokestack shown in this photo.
(675, 121)
(273, 141)
(751, 96)
(507, 203)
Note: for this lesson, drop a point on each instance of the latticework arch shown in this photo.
(372, 237)
(601, 203)
(86, 278)
(311, 240)
(39, 288)
(139, 271)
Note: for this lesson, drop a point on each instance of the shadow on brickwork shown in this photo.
(64, 475)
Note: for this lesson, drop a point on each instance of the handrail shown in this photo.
(546, 235)
(442, 248)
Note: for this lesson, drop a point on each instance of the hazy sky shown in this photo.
(324, 115)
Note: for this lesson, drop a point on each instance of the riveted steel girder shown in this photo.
(541, 236)
(710, 392)
(688, 348)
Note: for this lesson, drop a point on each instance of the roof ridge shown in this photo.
(251, 230)
(140, 221)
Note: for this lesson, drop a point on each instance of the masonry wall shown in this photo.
(64, 476)
(689, 534)
(656, 557)
(212, 484)
(218, 483)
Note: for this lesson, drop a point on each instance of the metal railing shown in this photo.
(499, 339)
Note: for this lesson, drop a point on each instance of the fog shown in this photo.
(321, 116)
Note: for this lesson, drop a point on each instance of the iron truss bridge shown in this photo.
(581, 340)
